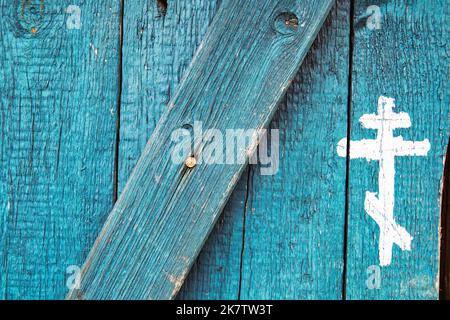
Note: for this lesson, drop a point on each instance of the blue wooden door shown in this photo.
(78, 102)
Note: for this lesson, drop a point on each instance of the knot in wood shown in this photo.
(286, 23)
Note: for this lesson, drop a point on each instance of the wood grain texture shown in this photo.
(294, 220)
(58, 103)
(216, 274)
(407, 59)
(444, 293)
(165, 212)
(157, 49)
(154, 60)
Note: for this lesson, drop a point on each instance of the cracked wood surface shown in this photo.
(279, 237)
(165, 212)
(58, 109)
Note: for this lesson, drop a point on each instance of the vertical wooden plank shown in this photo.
(294, 230)
(444, 289)
(157, 47)
(58, 97)
(400, 52)
(216, 274)
(154, 59)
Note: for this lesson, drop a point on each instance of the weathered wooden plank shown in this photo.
(166, 211)
(444, 289)
(157, 48)
(58, 98)
(154, 60)
(294, 220)
(400, 52)
(216, 274)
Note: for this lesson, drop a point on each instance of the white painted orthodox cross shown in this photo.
(384, 149)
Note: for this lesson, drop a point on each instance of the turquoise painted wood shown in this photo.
(157, 49)
(154, 60)
(141, 255)
(293, 245)
(278, 237)
(295, 221)
(445, 244)
(58, 109)
(216, 274)
(405, 57)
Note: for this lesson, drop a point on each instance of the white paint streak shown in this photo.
(384, 149)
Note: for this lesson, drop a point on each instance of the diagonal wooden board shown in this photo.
(166, 211)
